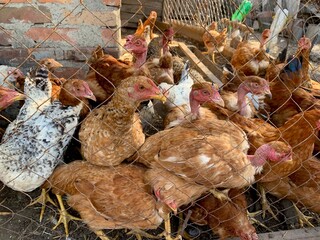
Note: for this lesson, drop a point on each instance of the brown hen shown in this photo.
(300, 132)
(200, 155)
(248, 60)
(214, 40)
(301, 187)
(113, 132)
(238, 101)
(107, 198)
(226, 218)
(106, 72)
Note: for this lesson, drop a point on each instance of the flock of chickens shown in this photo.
(205, 146)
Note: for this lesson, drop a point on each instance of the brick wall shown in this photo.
(67, 30)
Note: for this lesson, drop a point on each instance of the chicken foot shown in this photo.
(101, 235)
(43, 199)
(264, 203)
(140, 233)
(65, 217)
(253, 220)
(303, 219)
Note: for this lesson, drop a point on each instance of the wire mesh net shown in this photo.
(195, 12)
(86, 134)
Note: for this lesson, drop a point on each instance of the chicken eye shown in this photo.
(205, 92)
(141, 87)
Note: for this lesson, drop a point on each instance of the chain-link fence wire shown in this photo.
(289, 186)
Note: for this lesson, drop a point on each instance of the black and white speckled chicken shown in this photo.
(34, 144)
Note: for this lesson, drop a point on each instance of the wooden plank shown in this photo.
(208, 63)
(189, 31)
(198, 64)
(142, 9)
(149, 3)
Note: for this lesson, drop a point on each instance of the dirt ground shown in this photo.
(20, 221)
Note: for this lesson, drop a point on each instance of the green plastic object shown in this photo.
(242, 11)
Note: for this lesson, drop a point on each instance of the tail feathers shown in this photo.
(293, 65)
(282, 55)
(185, 71)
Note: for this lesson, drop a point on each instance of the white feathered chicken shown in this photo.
(34, 145)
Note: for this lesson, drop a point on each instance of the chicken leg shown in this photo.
(101, 235)
(43, 199)
(253, 220)
(221, 195)
(167, 231)
(265, 205)
(65, 217)
(303, 219)
(140, 233)
(4, 213)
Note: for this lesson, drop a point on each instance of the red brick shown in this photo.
(54, 1)
(13, 56)
(115, 3)
(13, 1)
(5, 39)
(109, 37)
(70, 72)
(59, 35)
(25, 14)
(98, 18)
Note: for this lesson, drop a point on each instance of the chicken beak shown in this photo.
(288, 157)
(219, 102)
(91, 96)
(160, 97)
(216, 98)
(174, 210)
(268, 93)
(56, 64)
(173, 206)
(19, 96)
